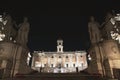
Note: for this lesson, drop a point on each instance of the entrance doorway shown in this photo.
(59, 66)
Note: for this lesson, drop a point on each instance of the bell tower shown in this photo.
(59, 45)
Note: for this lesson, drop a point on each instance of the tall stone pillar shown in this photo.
(33, 62)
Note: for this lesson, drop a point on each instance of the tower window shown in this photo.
(59, 49)
(59, 43)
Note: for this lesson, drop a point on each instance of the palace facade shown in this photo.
(59, 61)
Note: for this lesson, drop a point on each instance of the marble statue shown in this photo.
(23, 31)
(94, 31)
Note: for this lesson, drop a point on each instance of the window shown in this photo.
(59, 56)
(66, 65)
(44, 65)
(59, 66)
(52, 57)
(59, 49)
(51, 65)
(66, 56)
(59, 43)
(73, 65)
(37, 64)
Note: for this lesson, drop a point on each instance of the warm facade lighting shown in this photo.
(59, 61)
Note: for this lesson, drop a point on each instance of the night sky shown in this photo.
(49, 23)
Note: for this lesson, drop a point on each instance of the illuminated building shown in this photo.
(59, 61)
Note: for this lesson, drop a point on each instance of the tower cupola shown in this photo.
(59, 45)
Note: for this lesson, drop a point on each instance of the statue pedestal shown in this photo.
(13, 59)
(21, 66)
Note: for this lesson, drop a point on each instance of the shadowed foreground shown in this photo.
(58, 76)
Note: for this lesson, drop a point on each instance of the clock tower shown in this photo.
(59, 45)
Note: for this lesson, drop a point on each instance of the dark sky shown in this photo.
(66, 20)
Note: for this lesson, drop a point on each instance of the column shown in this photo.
(55, 61)
(70, 60)
(48, 61)
(33, 62)
(77, 60)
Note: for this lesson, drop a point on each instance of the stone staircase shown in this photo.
(52, 76)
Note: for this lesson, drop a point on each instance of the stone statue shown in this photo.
(8, 27)
(14, 31)
(94, 31)
(23, 31)
(1, 22)
(1, 26)
(107, 27)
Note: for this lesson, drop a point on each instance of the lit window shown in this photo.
(37, 64)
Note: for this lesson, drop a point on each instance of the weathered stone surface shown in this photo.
(14, 58)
